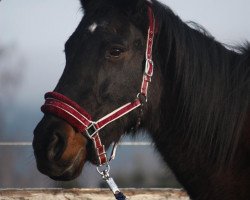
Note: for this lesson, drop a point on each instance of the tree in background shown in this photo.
(11, 68)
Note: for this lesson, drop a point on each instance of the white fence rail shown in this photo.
(121, 144)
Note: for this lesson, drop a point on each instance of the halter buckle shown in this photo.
(91, 130)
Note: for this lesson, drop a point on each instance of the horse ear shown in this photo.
(84, 3)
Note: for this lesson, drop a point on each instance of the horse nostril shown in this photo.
(56, 146)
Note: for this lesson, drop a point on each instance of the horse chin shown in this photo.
(73, 170)
(68, 175)
(60, 171)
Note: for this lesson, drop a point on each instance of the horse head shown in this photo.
(105, 59)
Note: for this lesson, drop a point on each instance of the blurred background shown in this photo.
(32, 37)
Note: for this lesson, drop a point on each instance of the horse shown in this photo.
(196, 110)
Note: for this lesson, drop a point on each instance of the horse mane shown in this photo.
(211, 83)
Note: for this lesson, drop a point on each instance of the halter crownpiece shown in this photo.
(68, 110)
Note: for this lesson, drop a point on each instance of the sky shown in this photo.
(39, 29)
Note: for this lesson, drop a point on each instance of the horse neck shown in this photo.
(198, 101)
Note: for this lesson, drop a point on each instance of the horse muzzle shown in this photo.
(59, 150)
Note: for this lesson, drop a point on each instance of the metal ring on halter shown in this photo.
(142, 100)
(91, 130)
(103, 168)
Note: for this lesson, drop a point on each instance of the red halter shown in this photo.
(64, 108)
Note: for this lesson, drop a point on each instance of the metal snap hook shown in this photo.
(103, 170)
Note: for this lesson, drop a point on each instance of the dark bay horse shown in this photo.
(197, 111)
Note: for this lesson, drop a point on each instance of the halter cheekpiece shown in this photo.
(67, 109)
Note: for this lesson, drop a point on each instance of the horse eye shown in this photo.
(116, 51)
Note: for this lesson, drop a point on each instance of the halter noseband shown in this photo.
(67, 109)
